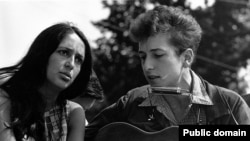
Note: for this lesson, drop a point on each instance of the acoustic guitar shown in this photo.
(121, 131)
(246, 97)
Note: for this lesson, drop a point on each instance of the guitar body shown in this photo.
(246, 97)
(121, 131)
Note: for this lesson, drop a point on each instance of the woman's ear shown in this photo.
(188, 55)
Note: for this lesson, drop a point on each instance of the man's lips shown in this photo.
(152, 77)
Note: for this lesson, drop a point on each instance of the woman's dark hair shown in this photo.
(27, 105)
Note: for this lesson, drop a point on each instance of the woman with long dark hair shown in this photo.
(34, 101)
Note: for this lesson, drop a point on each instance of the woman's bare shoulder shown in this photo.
(4, 98)
(73, 106)
(4, 109)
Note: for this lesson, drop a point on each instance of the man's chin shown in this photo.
(156, 85)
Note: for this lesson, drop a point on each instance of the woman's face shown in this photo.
(65, 62)
(161, 65)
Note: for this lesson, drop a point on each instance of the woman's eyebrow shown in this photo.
(79, 55)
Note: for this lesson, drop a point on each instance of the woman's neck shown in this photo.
(49, 95)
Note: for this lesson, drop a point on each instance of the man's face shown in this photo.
(161, 65)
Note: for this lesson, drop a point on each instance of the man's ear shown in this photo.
(188, 55)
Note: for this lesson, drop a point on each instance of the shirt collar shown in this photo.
(199, 94)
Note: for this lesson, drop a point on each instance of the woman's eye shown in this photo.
(79, 60)
(63, 52)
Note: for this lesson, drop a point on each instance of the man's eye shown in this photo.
(158, 55)
(142, 57)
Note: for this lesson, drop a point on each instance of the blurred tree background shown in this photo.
(223, 50)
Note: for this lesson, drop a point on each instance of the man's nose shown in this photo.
(148, 64)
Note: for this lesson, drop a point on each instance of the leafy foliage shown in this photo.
(223, 50)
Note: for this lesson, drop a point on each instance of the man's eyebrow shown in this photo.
(156, 49)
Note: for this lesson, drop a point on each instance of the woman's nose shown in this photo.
(70, 63)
